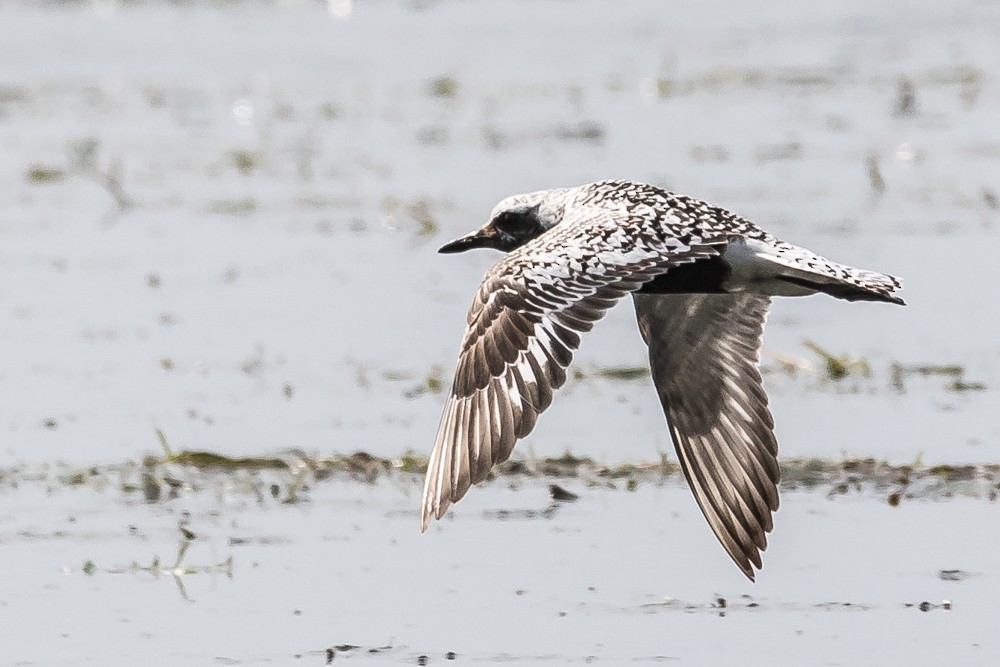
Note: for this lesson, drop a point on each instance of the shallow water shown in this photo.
(220, 221)
(615, 576)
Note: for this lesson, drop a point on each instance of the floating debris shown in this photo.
(791, 150)
(945, 605)
(952, 575)
(242, 206)
(330, 111)
(521, 515)
(709, 153)
(83, 161)
(875, 180)
(244, 161)
(561, 495)
(443, 86)
(586, 131)
(432, 135)
(906, 99)
(990, 199)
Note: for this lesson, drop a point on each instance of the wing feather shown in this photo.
(523, 328)
(703, 350)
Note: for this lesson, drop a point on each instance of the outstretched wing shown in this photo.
(703, 350)
(524, 325)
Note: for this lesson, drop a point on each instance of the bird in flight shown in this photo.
(701, 279)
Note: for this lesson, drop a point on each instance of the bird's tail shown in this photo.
(769, 264)
(851, 284)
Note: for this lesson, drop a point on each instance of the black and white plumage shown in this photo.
(701, 278)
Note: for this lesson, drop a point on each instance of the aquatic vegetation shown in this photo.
(435, 383)
(445, 86)
(176, 571)
(432, 135)
(240, 206)
(205, 459)
(410, 462)
(623, 373)
(286, 475)
(778, 152)
(39, 174)
(289, 476)
(899, 373)
(586, 131)
(244, 161)
(838, 367)
(420, 211)
(961, 385)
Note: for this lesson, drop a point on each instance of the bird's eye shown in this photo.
(516, 224)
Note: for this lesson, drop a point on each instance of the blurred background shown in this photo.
(220, 220)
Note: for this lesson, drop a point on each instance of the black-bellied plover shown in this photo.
(702, 279)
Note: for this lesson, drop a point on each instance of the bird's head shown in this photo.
(515, 221)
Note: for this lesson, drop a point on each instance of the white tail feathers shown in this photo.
(777, 268)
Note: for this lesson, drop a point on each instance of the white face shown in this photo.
(546, 206)
(515, 221)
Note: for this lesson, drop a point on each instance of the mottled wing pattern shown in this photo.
(523, 327)
(703, 350)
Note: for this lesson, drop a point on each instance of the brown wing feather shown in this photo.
(495, 403)
(523, 327)
(703, 350)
